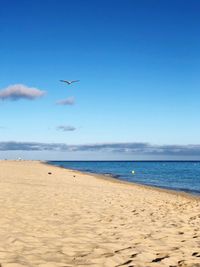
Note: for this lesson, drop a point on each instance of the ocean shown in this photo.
(175, 175)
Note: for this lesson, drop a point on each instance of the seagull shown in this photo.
(69, 82)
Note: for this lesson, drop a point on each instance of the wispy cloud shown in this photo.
(20, 91)
(67, 101)
(66, 128)
(124, 148)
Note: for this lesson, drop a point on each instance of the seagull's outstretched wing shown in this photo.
(75, 81)
(64, 81)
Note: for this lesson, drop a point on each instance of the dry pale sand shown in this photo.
(56, 219)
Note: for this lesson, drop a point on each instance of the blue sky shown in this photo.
(138, 63)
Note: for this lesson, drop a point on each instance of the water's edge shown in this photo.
(118, 179)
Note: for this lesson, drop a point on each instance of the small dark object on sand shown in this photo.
(74, 176)
(49, 173)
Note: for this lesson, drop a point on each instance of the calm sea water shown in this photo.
(181, 176)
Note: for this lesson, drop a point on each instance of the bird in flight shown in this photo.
(69, 82)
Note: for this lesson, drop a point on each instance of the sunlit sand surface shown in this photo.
(52, 217)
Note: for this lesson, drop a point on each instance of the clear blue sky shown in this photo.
(138, 63)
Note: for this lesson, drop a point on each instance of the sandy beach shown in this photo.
(52, 217)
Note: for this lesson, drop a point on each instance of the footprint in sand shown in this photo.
(196, 254)
(122, 249)
(160, 258)
(125, 263)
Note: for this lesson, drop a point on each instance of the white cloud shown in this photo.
(20, 91)
(66, 128)
(67, 101)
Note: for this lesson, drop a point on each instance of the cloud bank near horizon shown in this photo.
(123, 148)
(20, 91)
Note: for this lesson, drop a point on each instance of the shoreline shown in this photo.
(116, 180)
